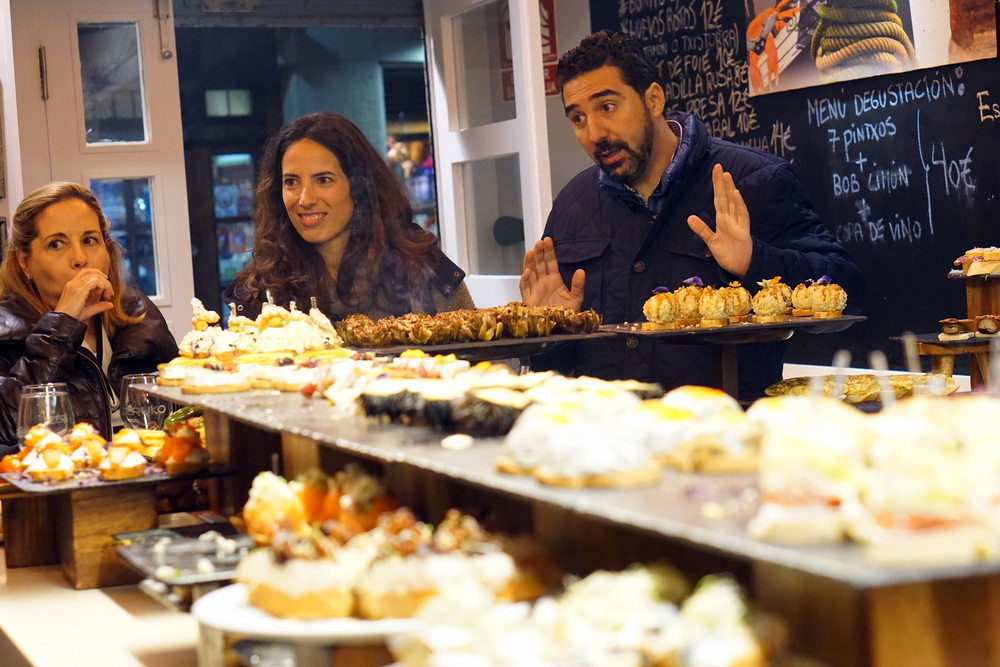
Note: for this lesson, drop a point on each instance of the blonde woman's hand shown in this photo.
(88, 294)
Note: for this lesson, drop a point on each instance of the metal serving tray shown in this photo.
(182, 553)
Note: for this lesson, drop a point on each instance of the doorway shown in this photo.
(239, 85)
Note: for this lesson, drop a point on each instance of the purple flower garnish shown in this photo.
(694, 280)
(824, 280)
(661, 289)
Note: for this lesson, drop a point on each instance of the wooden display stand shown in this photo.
(982, 297)
(74, 529)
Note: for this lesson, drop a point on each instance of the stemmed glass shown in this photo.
(45, 404)
(140, 409)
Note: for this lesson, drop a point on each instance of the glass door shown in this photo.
(233, 206)
(488, 108)
(109, 117)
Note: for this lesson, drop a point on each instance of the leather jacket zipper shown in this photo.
(106, 392)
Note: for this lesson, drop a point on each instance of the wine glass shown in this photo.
(47, 405)
(140, 409)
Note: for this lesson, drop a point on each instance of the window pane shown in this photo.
(127, 205)
(232, 185)
(216, 103)
(484, 65)
(239, 102)
(110, 69)
(493, 212)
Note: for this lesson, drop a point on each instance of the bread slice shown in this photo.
(392, 604)
(810, 525)
(122, 463)
(950, 546)
(647, 475)
(506, 464)
(325, 603)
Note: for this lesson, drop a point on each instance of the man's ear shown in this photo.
(656, 99)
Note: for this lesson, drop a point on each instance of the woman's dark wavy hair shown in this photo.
(609, 48)
(386, 253)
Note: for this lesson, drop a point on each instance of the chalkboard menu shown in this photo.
(903, 168)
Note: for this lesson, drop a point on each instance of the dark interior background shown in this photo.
(903, 168)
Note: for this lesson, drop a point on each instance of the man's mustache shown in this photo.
(606, 147)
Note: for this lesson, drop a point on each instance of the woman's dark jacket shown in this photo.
(35, 349)
(440, 289)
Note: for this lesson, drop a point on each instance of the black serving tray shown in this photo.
(83, 480)
(490, 350)
(747, 332)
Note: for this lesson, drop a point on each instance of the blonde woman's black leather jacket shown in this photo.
(37, 348)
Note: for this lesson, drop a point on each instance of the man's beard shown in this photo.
(636, 160)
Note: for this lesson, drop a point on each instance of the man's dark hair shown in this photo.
(608, 48)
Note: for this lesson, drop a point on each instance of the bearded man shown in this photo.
(663, 203)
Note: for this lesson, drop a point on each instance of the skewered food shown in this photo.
(514, 320)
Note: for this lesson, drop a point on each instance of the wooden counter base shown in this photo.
(75, 529)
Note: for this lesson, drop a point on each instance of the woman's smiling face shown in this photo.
(315, 192)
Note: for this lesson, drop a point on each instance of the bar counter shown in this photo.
(839, 609)
(46, 623)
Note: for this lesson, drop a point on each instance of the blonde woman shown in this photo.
(66, 314)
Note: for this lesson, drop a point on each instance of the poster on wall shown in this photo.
(550, 49)
(800, 43)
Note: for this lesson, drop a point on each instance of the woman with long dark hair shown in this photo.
(332, 222)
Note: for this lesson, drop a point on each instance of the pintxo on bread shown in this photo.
(639, 616)
(564, 441)
(914, 484)
(978, 261)
(83, 455)
(696, 305)
(388, 571)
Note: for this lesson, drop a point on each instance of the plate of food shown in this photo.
(862, 387)
(227, 609)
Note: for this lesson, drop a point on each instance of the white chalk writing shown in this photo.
(702, 68)
(874, 161)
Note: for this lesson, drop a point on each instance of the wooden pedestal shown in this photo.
(982, 297)
(29, 531)
(75, 529)
(86, 520)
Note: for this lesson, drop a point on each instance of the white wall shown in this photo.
(347, 79)
(566, 157)
(13, 171)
